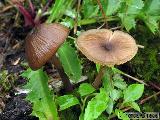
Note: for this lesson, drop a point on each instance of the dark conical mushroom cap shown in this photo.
(106, 47)
(43, 42)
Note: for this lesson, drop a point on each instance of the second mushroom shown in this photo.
(106, 48)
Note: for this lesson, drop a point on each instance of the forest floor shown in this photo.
(13, 62)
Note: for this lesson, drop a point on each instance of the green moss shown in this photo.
(6, 81)
(146, 64)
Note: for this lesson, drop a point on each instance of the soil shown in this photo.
(12, 106)
(17, 109)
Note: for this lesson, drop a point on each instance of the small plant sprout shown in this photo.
(28, 15)
(106, 48)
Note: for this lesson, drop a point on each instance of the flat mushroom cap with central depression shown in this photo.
(106, 47)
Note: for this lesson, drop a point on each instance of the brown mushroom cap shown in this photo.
(106, 47)
(43, 42)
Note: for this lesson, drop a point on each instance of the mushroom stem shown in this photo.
(66, 82)
(98, 80)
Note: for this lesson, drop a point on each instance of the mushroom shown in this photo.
(107, 48)
(42, 44)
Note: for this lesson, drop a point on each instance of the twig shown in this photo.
(115, 28)
(140, 46)
(38, 17)
(155, 86)
(9, 38)
(95, 20)
(129, 76)
(76, 19)
(31, 7)
(46, 6)
(141, 102)
(16, 19)
(148, 98)
(101, 26)
(6, 8)
(102, 11)
(71, 37)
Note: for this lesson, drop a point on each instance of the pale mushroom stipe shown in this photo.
(106, 47)
(43, 42)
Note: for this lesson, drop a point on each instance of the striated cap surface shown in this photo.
(43, 42)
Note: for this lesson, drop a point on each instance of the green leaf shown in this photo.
(119, 82)
(67, 101)
(115, 70)
(107, 81)
(81, 117)
(68, 22)
(134, 7)
(43, 104)
(115, 94)
(110, 6)
(133, 92)
(89, 8)
(121, 115)
(128, 21)
(152, 23)
(71, 13)
(70, 62)
(86, 89)
(151, 14)
(129, 11)
(152, 7)
(134, 105)
(110, 106)
(98, 67)
(96, 106)
(102, 117)
(57, 10)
